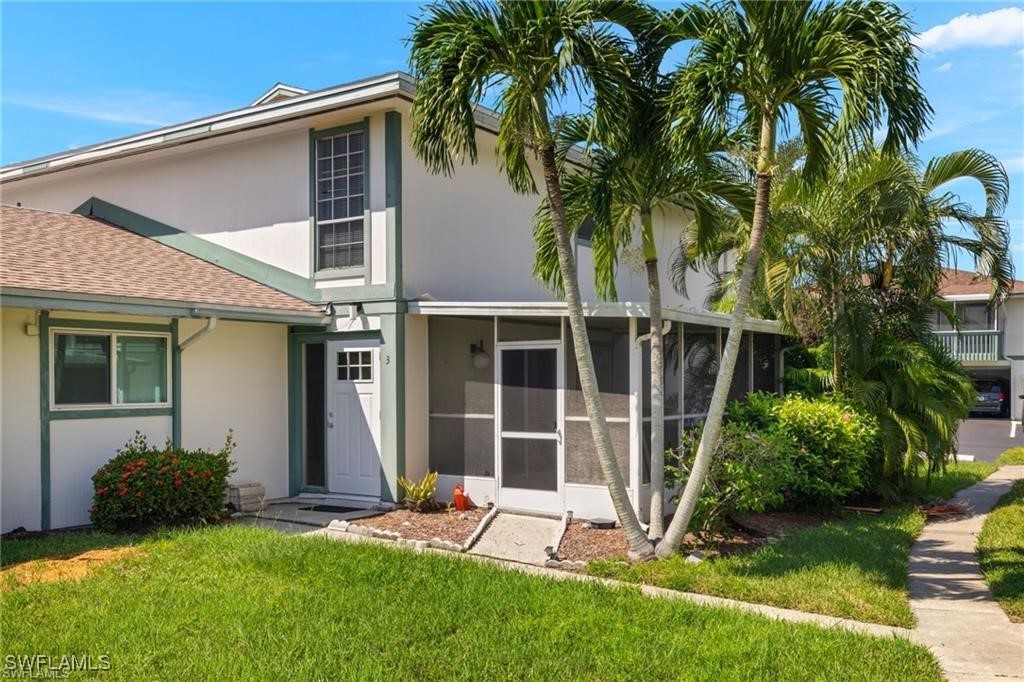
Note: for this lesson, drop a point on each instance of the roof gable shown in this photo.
(278, 92)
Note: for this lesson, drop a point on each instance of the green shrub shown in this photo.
(144, 486)
(830, 446)
(748, 473)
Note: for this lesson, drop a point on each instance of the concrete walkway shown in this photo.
(516, 537)
(957, 617)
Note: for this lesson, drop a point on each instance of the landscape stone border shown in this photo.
(562, 564)
(396, 537)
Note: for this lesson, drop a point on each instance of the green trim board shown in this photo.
(370, 293)
(294, 415)
(86, 303)
(314, 136)
(44, 420)
(175, 385)
(265, 273)
(71, 323)
(112, 412)
(393, 411)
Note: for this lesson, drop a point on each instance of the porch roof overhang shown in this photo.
(598, 309)
(14, 297)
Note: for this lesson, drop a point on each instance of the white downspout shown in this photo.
(211, 324)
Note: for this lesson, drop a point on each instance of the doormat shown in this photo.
(330, 508)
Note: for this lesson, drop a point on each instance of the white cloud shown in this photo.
(998, 28)
(948, 66)
(121, 106)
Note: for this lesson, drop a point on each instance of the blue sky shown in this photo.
(74, 74)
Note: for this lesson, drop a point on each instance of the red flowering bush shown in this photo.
(145, 486)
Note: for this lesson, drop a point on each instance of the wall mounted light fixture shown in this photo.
(481, 360)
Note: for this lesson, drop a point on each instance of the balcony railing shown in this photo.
(973, 346)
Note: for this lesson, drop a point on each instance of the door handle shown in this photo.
(558, 435)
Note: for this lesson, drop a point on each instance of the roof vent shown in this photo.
(277, 93)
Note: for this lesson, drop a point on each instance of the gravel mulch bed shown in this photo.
(447, 524)
(780, 523)
(583, 543)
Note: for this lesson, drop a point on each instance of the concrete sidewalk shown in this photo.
(957, 617)
(516, 537)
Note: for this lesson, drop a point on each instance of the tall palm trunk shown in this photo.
(716, 411)
(657, 512)
(639, 546)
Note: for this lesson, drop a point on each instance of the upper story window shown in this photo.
(585, 233)
(975, 316)
(340, 200)
(100, 369)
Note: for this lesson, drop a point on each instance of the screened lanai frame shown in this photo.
(466, 414)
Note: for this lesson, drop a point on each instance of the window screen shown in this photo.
(975, 316)
(81, 367)
(141, 369)
(340, 200)
(109, 369)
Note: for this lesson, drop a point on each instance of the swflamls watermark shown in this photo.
(52, 667)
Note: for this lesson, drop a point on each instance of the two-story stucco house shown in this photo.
(990, 341)
(291, 271)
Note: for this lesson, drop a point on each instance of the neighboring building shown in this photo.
(990, 342)
(291, 271)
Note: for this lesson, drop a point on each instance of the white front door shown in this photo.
(353, 418)
(530, 450)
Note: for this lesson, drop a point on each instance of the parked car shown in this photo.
(993, 398)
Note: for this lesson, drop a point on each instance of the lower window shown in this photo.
(101, 368)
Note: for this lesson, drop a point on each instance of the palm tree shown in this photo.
(860, 269)
(630, 178)
(532, 54)
(760, 65)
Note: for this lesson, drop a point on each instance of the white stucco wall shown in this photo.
(417, 434)
(78, 448)
(470, 238)
(1013, 344)
(19, 422)
(237, 377)
(247, 192)
(250, 195)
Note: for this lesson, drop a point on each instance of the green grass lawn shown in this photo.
(1001, 552)
(239, 602)
(855, 567)
(1012, 456)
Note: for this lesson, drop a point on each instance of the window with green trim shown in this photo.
(100, 369)
(341, 200)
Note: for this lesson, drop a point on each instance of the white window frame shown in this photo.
(359, 365)
(319, 268)
(113, 334)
